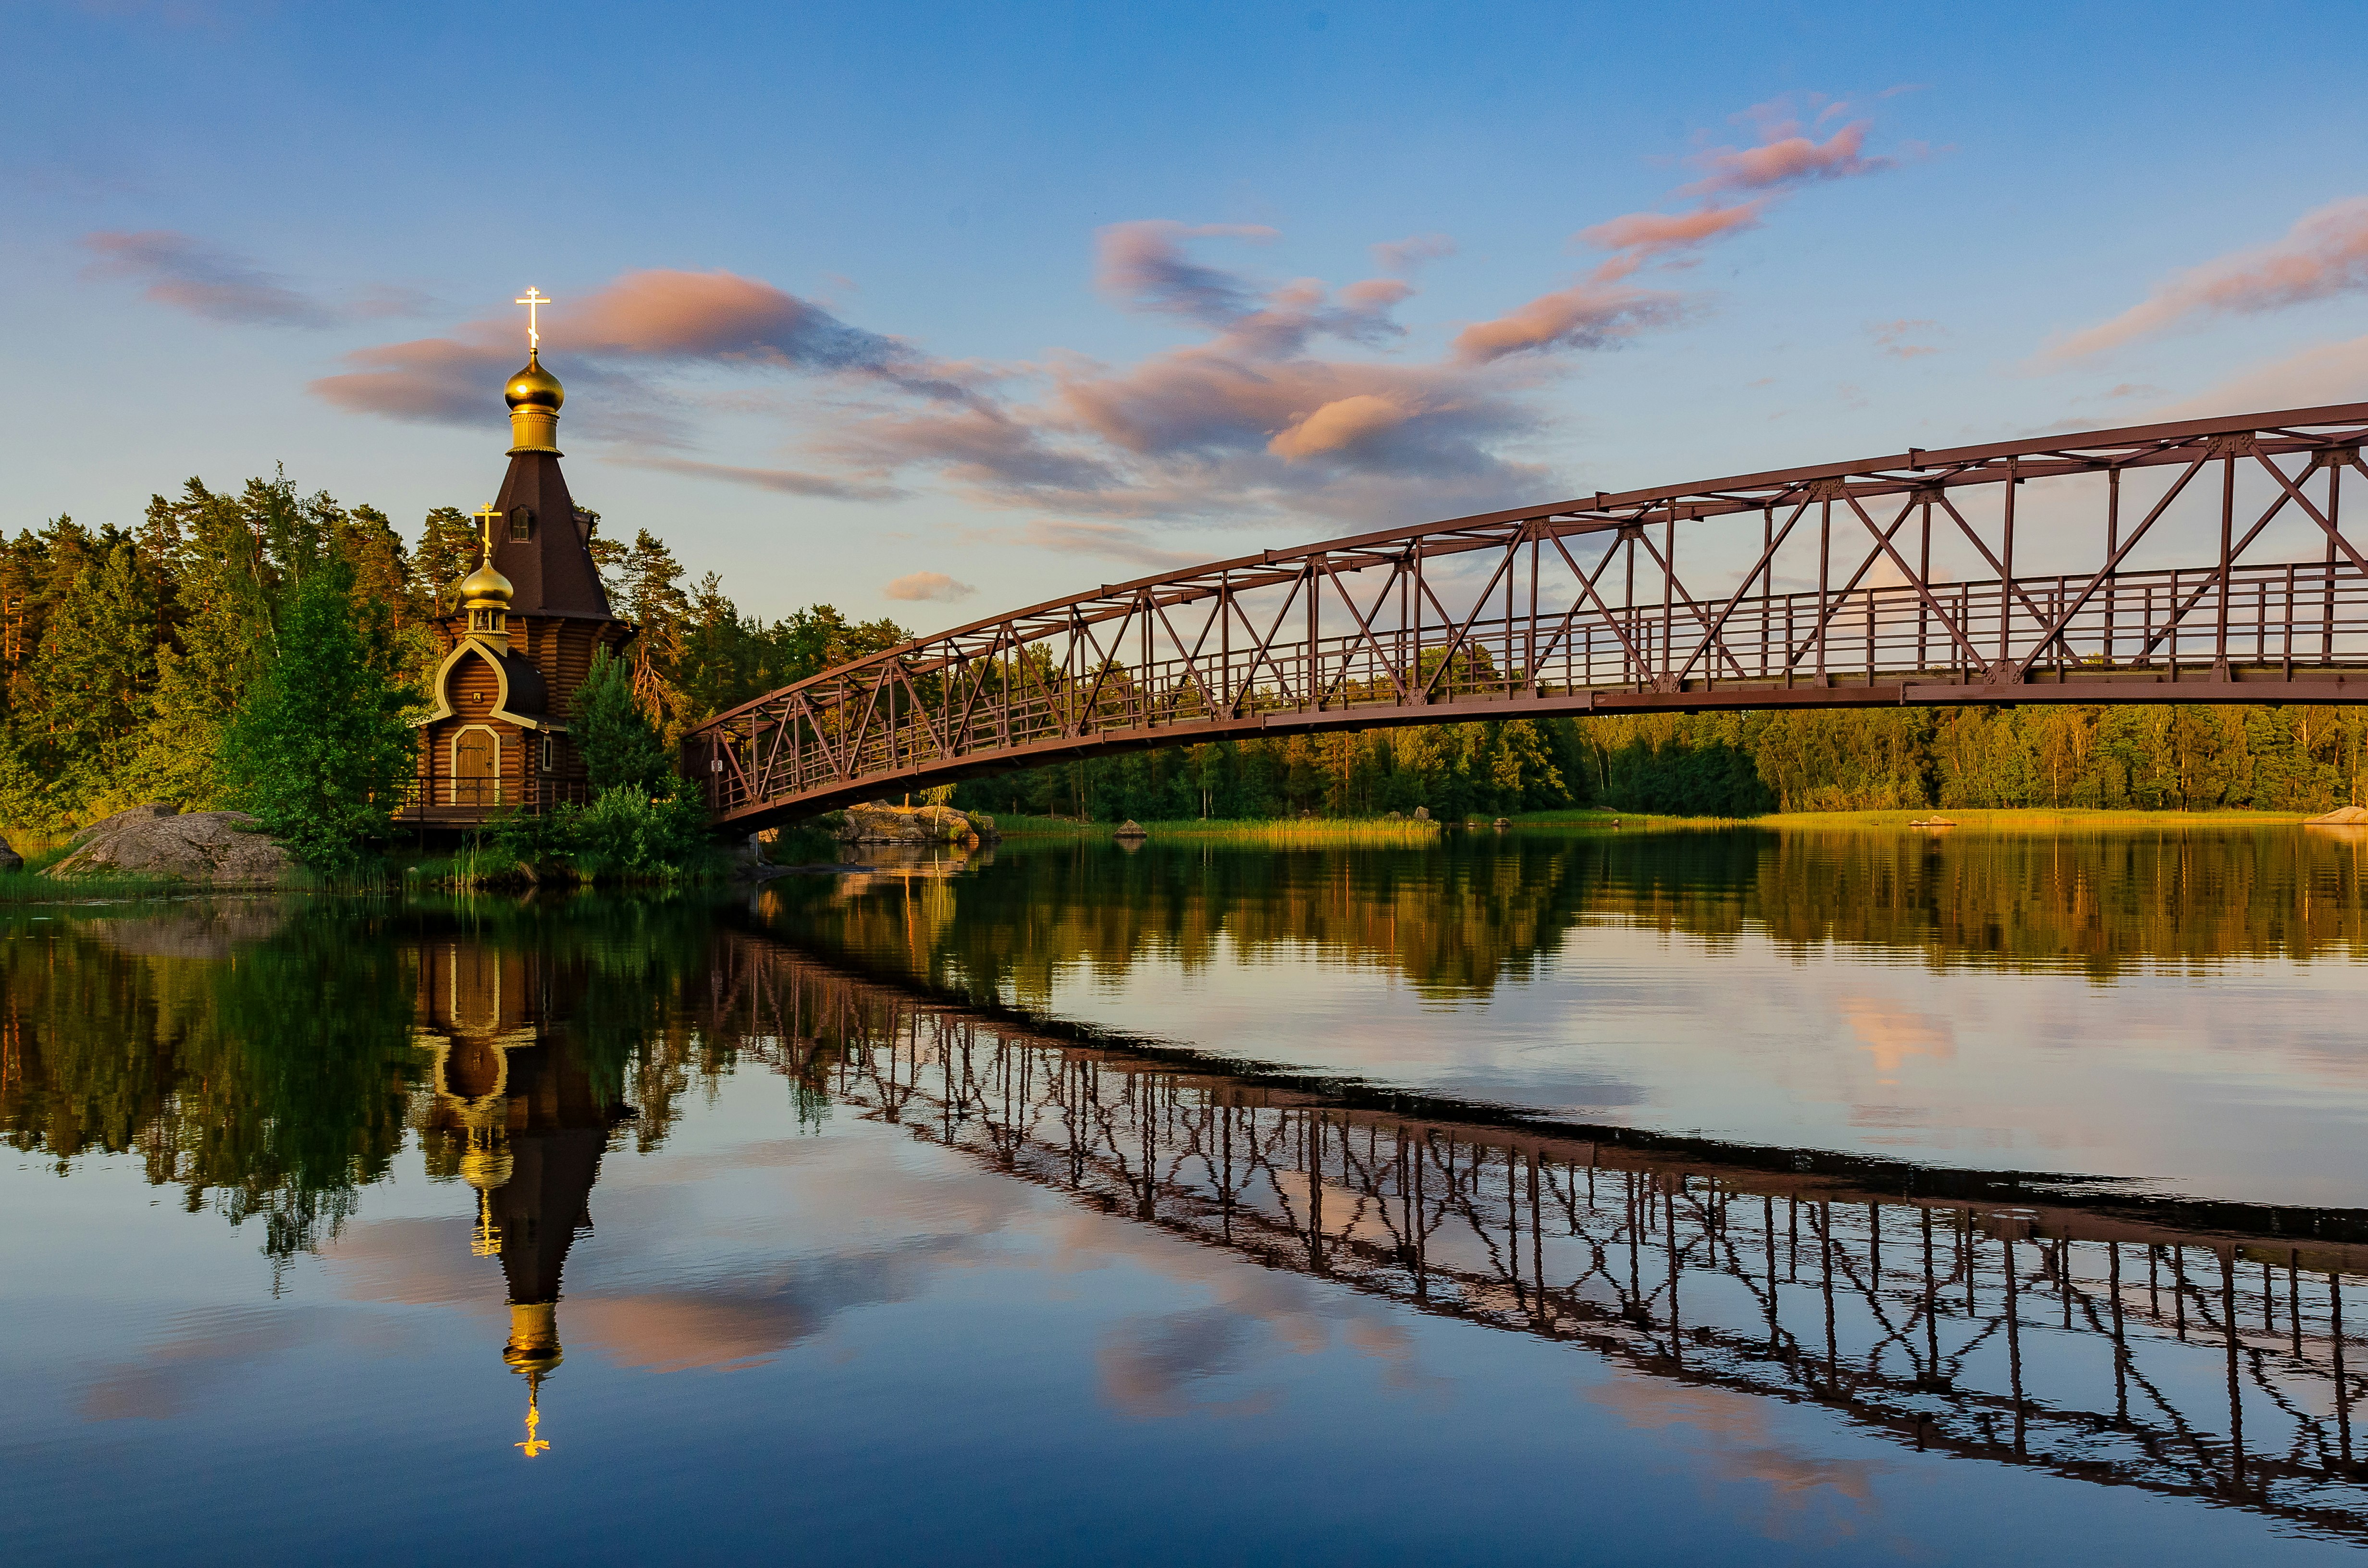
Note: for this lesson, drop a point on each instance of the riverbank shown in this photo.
(1968, 819)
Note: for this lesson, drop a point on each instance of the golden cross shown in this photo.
(534, 1445)
(486, 514)
(532, 299)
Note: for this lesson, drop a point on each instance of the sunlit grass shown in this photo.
(1277, 830)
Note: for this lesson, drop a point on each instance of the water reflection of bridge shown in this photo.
(2190, 1349)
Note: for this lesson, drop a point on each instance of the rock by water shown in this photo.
(220, 847)
(880, 823)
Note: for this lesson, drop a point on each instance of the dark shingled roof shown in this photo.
(551, 569)
(528, 696)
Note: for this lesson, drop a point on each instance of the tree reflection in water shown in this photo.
(1482, 909)
(273, 1060)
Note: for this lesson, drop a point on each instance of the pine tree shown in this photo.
(320, 750)
(98, 668)
(611, 734)
(449, 547)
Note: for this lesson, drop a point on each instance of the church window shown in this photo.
(546, 753)
(521, 522)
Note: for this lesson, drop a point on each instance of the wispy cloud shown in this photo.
(1786, 162)
(933, 587)
(1400, 258)
(643, 323)
(2323, 255)
(204, 279)
(1292, 396)
(1599, 311)
(1894, 338)
(782, 480)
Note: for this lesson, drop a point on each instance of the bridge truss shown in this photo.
(2199, 562)
(2193, 1349)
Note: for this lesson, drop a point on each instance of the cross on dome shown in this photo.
(533, 299)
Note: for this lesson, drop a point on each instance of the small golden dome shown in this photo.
(485, 588)
(534, 387)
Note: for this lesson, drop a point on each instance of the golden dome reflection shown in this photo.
(534, 387)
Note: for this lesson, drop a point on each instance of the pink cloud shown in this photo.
(1652, 231)
(1586, 315)
(1792, 160)
(431, 380)
(2323, 255)
(1341, 422)
(643, 322)
(927, 586)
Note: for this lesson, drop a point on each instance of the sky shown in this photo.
(933, 312)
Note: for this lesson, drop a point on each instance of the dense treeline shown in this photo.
(2158, 757)
(1451, 769)
(129, 654)
(2167, 758)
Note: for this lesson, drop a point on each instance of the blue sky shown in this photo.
(991, 303)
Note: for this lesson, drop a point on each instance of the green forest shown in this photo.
(132, 654)
(2156, 757)
(140, 666)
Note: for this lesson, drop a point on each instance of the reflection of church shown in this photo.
(520, 637)
(514, 1115)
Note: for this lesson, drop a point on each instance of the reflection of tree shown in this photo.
(272, 1085)
(268, 1065)
(1482, 908)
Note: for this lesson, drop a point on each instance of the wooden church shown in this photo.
(521, 637)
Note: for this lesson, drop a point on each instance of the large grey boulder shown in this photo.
(220, 847)
(9, 859)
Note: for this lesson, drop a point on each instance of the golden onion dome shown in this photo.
(534, 387)
(485, 588)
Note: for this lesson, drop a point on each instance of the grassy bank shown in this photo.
(1279, 830)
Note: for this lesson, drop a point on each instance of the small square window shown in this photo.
(521, 522)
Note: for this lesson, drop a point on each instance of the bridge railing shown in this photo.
(1585, 604)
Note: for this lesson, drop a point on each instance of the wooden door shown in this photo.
(477, 769)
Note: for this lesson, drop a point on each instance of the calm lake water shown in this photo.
(1692, 1197)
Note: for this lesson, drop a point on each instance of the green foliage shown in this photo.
(2292, 758)
(620, 747)
(1455, 770)
(628, 829)
(320, 750)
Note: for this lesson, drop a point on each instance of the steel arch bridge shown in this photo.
(2203, 561)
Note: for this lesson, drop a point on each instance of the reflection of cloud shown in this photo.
(1891, 1034)
(1146, 1363)
(1746, 1448)
(161, 1380)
